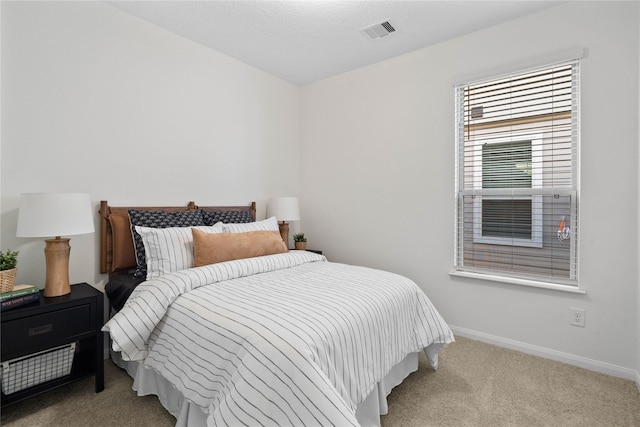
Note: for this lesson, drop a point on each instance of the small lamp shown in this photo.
(284, 209)
(55, 214)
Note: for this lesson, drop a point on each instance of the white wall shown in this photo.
(97, 101)
(378, 181)
(638, 243)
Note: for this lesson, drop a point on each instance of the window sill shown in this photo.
(520, 282)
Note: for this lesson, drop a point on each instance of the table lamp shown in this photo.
(284, 209)
(55, 214)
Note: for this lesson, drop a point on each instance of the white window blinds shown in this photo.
(516, 175)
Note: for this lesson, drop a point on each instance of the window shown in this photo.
(516, 175)
(504, 219)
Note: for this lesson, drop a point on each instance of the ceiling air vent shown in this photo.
(378, 30)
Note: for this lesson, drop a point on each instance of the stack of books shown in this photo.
(20, 295)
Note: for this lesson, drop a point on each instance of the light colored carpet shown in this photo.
(477, 385)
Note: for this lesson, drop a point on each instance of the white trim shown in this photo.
(547, 353)
(566, 55)
(576, 140)
(518, 281)
(522, 192)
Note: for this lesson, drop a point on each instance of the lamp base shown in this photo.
(284, 232)
(56, 253)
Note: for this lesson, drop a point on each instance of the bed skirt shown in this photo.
(147, 381)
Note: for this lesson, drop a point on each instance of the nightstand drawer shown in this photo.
(43, 330)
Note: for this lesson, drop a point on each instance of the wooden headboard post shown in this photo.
(104, 232)
(106, 239)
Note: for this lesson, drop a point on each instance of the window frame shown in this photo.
(552, 281)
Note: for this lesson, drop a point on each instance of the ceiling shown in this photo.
(306, 41)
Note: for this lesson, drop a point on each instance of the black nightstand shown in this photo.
(54, 322)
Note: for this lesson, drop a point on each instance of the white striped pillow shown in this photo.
(269, 224)
(170, 249)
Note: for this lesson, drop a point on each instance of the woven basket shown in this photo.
(7, 279)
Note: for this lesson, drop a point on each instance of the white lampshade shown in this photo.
(283, 208)
(54, 214)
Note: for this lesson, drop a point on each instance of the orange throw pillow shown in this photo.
(210, 248)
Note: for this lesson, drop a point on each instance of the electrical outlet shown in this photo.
(577, 316)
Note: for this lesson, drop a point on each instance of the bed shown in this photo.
(228, 327)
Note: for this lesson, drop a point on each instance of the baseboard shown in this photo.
(547, 353)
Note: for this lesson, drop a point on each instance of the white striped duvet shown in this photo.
(286, 339)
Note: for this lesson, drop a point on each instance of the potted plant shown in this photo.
(300, 241)
(8, 270)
